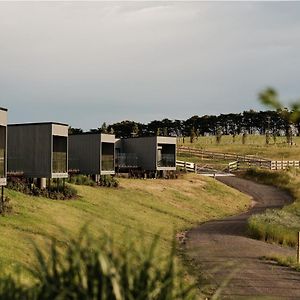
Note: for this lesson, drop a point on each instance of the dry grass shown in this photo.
(255, 145)
(150, 206)
(278, 225)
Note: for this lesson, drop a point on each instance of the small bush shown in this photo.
(89, 269)
(5, 205)
(59, 192)
(108, 181)
(82, 180)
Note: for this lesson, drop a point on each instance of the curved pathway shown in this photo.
(223, 250)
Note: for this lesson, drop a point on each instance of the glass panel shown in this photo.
(127, 160)
(166, 155)
(59, 163)
(107, 157)
(2, 150)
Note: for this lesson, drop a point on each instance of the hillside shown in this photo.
(151, 206)
(254, 145)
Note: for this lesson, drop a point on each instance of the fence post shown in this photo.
(298, 250)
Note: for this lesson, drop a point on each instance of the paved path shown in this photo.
(222, 249)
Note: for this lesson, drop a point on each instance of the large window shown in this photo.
(2, 150)
(59, 154)
(166, 155)
(107, 157)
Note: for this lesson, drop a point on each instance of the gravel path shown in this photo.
(223, 250)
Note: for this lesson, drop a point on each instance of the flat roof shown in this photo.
(153, 136)
(39, 123)
(2, 108)
(86, 133)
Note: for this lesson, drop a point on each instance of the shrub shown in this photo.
(59, 192)
(82, 180)
(108, 181)
(5, 205)
(90, 269)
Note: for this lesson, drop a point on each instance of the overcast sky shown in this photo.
(86, 63)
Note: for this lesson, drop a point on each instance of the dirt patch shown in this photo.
(221, 250)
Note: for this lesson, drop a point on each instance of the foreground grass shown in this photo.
(148, 206)
(277, 225)
(95, 269)
(255, 145)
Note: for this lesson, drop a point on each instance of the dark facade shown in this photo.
(38, 150)
(3, 146)
(147, 153)
(92, 153)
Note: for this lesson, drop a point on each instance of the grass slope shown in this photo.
(164, 206)
(255, 145)
(277, 225)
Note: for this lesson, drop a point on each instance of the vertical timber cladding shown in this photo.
(92, 153)
(30, 148)
(3, 146)
(59, 153)
(155, 153)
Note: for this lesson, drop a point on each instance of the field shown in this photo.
(255, 145)
(148, 206)
(278, 225)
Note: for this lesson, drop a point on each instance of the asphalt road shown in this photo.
(223, 253)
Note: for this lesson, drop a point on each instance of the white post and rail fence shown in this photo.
(241, 161)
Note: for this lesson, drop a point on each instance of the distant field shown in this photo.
(255, 145)
(151, 206)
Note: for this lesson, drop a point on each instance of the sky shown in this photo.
(85, 63)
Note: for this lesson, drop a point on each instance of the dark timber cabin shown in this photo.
(38, 150)
(92, 154)
(155, 154)
(3, 146)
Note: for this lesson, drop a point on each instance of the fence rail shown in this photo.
(188, 166)
(239, 161)
(218, 155)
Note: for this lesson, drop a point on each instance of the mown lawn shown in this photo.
(255, 145)
(148, 206)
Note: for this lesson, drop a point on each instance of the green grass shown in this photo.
(255, 145)
(150, 206)
(285, 261)
(277, 225)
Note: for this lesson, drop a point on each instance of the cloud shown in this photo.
(85, 63)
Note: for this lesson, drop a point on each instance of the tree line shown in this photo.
(279, 121)
(234, 123)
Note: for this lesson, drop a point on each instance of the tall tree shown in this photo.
(291, 116)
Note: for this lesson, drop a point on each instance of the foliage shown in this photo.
(270, 97)
(105, 180)
(219, 135)
(277, 225)
(244, 138)
(232, 123)
(108, 181)
(57, 192)
(5, 205)
(98, 269)
(81, 180)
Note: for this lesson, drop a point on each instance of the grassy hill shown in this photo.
(255, 145)
(151, 206)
